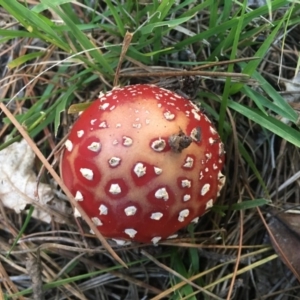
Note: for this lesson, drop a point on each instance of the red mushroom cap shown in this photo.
(143, 162)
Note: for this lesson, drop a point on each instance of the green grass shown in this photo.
(77, 56)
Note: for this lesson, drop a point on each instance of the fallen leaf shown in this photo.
(18, 185)
(285, 228)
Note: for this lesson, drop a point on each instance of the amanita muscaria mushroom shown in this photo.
(144, 162)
